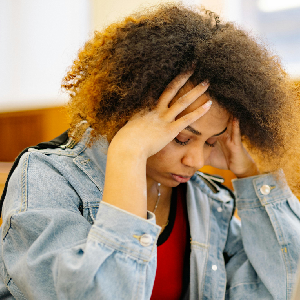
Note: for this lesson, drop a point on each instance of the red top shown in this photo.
(168, 282)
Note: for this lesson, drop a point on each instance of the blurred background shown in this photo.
(40, 39)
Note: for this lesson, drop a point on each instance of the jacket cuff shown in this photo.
(260, 190)
(125, 232)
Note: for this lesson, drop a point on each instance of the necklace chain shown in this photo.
(158, 197)
(156, 204)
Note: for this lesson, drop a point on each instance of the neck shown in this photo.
(152, 195)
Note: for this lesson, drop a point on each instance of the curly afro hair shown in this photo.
(125, 68)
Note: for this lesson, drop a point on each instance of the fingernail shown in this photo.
(204, 83)
(207, 104)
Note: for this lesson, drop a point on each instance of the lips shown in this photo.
(181, 179)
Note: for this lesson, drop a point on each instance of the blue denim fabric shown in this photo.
(59, 241)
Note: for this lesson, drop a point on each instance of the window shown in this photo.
(277, 22)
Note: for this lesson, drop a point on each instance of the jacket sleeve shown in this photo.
(264, 248)
(50, 251)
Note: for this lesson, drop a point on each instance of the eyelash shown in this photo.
(186, 142)
(210, 145)
(180, 142)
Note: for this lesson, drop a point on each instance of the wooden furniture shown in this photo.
(4, 169)
(27, 128)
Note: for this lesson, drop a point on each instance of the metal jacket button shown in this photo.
(146, 240)
(265, 189)
(214, 267)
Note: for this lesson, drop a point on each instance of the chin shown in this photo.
(170, 183)
(173, 184)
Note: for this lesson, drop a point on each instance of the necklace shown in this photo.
(158, 197)
(156, 204)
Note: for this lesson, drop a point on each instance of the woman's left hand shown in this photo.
(229, 153)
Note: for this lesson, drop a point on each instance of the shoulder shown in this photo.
(64, 177)
(67, 159)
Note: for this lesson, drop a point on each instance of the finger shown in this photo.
(173, 87)
(236, 132)
(183, 102)
(191, 117)
(228, 135)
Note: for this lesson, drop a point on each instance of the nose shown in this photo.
(194, 158)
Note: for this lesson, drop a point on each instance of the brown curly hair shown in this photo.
(125, 68)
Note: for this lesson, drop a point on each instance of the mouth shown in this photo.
(181, 178)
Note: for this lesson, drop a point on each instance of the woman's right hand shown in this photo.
(146, 133)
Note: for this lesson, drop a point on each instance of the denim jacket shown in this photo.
(59, 241)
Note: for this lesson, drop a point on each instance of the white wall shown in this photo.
(38, 41)
(105, 12)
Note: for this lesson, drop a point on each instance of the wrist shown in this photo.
(251, 171)
(125, 180)
(126, 151)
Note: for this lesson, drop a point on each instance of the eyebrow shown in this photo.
(194, 131)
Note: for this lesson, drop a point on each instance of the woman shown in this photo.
(162, 94)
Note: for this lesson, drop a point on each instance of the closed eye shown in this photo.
(211, 142)
(182, 143)
(211, 145)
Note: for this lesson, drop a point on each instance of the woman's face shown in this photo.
(187, 153)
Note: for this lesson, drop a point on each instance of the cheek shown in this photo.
(166, 154)
(169, 155)
(208, 151)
